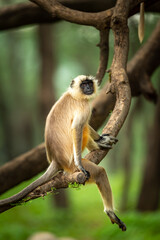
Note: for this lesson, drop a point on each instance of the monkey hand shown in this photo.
(106, 141)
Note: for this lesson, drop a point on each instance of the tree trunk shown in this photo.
(149, 195)
(46, 94)
(127, 163)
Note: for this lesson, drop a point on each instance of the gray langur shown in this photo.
(67, 133)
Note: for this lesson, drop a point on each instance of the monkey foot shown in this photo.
(115, 219)
(86, 173)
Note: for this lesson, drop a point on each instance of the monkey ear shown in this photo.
(72, 83)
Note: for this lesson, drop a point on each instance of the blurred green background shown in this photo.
(22, 125)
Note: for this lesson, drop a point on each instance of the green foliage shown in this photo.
(74, 185)
(84, 220)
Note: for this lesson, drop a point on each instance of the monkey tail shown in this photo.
(49, 173)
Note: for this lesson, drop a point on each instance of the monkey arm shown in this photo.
(77, 145)
(77, 148)
(77, 130)
(94, 135)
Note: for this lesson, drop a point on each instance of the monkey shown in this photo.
(141, 23)
(67, 133)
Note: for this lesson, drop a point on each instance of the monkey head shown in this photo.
(83, 87)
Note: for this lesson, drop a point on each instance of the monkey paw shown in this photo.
(106, 141)
(115, 219)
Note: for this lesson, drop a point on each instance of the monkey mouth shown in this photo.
(89, 92)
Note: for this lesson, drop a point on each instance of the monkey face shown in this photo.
(83, 87)
(87, 87)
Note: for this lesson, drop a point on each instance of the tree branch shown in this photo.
(55, 9)
(59, 181)
(28, 13)
(30, 163)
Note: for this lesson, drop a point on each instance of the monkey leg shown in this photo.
(99, 176)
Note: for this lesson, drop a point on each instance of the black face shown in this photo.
(87, 87)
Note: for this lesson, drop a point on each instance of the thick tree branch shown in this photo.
(28, 13)
(54, 8)
(100, 20)
(19, 170)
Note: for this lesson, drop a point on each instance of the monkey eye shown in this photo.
(87, 83)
